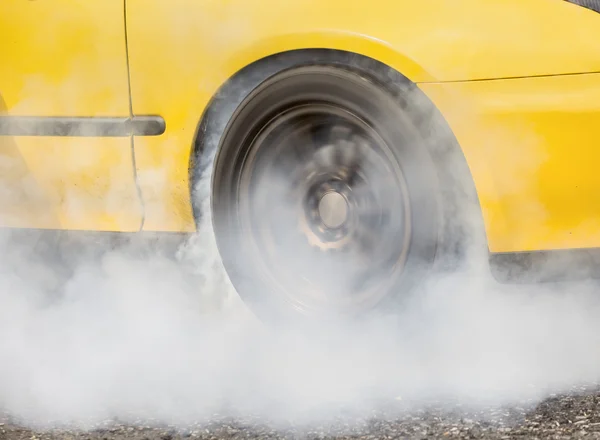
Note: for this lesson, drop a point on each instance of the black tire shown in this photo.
(426, 230)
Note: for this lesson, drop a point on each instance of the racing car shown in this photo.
(343, 151)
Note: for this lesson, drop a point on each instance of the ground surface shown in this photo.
(575, 415)
(571, 415)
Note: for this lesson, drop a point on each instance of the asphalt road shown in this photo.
(574, 415)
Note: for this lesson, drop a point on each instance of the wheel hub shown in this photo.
(328, 211)
(326, 206)
(333, 209)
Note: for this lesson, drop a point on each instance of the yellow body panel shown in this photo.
(65, 58)
(530, 142)
(532, 145)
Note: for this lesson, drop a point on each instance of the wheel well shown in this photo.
(428, 118)
(231, 86)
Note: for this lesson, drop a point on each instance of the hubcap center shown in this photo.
(333, 209)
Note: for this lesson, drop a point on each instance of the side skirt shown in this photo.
(546, 266)
(509, 268)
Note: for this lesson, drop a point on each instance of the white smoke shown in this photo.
(134, 335)
(137, 334)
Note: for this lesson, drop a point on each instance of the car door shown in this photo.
(65, 134)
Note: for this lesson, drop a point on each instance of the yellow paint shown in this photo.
(530, 143)
(182, 51)
(65, 58)
(533, 149)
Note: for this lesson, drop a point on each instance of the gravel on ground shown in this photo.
(572, 415)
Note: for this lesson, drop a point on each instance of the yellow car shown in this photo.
(349, 149)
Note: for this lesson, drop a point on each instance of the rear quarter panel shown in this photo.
(533, 147)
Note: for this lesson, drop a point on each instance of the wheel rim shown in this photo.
(324, 208)
(265, 206)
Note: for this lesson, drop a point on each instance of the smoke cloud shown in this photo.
(132, 338)
(97, 330)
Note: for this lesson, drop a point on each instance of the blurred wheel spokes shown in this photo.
(326, 191)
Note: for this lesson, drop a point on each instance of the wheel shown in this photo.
(333, 191)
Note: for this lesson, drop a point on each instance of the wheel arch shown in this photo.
(260, 52)
(337, 40)
(255, 55)
(372, 52)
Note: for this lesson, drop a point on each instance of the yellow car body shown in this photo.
(518, 82)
